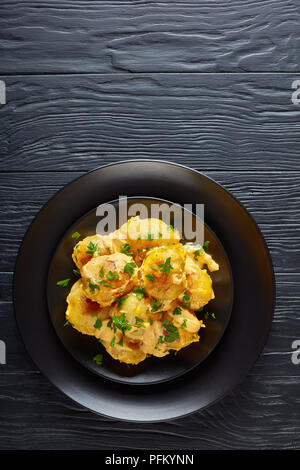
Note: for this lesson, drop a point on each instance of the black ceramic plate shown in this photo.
(253, 301)
(153, 370)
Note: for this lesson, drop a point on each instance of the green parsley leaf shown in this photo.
(140, 292)
(63, 283)
(121, 300)
(155, 305)
(98, 323)
(76, 272)
(93, 287)
(112, 275)
(98, 359)
(177, 311)
(91, 248)
(67, 323)
(197, 253)
(150, 277)
(112, 343)
(166, 267)
(150, 321)
(173, 332)
(206, 244)
(213, 316)
(121, 323)
(75, 235)
(101, 272)
(160, 235)
(129, 268)
(186, 298)
(183, 324)
(125, 249)
(150, 236)
(94, 314)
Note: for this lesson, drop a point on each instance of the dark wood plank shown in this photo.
(146, 36)
(209, 121)
(246, 418)
(272, 198)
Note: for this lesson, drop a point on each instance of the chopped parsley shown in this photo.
(75, 235)
(98, 359)
(98, 323)
(121, 341)
(94, 314)
(166, 267)
(101, 272)
(91, 248)
(76, 272)
(139, 322)
(150, 236)
(121, 300)
(150, 320)
(186, 298)
(121, 323)
(199, 310)
(155, 305)
(173, 333)
(160, 235)
(183, 324)
(112, 343)
(125, 249)
(112, 275)
(63, 283)
(177, 311)
(67, 323)
(206, 244)
(129, 268)
(197, 253)
(150, 277)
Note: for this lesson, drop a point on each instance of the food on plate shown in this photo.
(139, 290)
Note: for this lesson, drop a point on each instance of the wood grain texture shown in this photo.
(208, 121)
(35, 415)
(75, 36)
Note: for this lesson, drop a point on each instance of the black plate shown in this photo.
(152, 370)
(252, 310)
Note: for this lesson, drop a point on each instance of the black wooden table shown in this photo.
(206, 84)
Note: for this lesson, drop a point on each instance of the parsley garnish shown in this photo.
(75, 235)
(160, 235)
(150, 320)
(140, 292)
(150, 236)
(91, 248)
(112, 275)
(94, 314)
(93, 287)
(173, 333)
(101, 272)
(121, 323)
(112, 343)
(98, 323)
(199, 310)
(121, 300)
(129, 268)
(98, 359)
(166, 267)
(76, 272)
(206, 244)
(63, 283)
(67, 323)
(139, 322)
(125, 249)
(183, 324)
(155, 305)
(150, 277)
(186, 298)
(197, 253)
